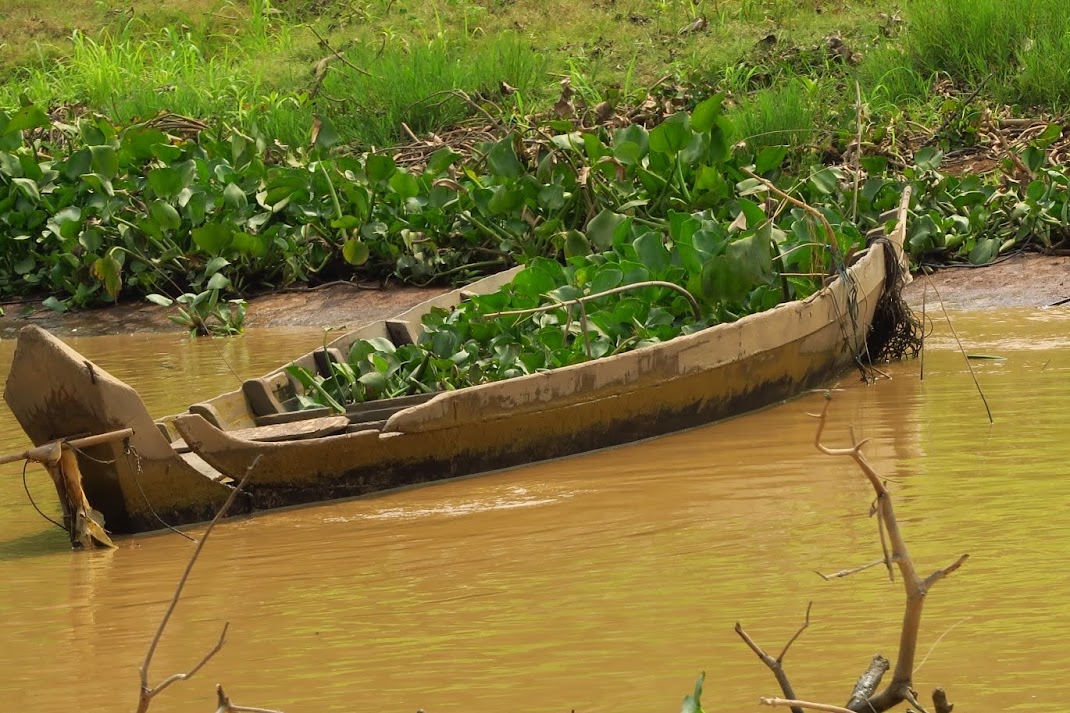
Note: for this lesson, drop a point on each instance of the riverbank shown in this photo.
(1029, 280)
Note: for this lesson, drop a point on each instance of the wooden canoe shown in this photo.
(179, 469)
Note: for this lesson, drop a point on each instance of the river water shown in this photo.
(604, 582)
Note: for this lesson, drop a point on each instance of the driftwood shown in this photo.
(865, 698)
(147, 692)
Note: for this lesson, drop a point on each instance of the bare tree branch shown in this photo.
(225, 706)
(148, 692)
(797, 704)
(869, 680)
(899, 689)
(777, 665)
(849, 572)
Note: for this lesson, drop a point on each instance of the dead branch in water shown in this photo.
(777, 665)
(225, 706)
(147, 693)
(901, 687)
(864, 697)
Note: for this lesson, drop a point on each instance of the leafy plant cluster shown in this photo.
(89, 212)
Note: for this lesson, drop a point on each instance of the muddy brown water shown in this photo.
(604, 582)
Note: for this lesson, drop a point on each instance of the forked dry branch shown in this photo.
(864, 698)
(147, 692)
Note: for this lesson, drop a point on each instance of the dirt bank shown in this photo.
(1022, 281)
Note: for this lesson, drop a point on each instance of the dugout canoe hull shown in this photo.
(146, 483)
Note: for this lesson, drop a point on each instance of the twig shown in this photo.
(849, 572)
(341, 57)
(777, 665)
(580, 300)
(225, 706)
(797, 704)
(858, 150)
(146, 692)
(833, 245)
(938, 640)
(969, 366)
(921, 351)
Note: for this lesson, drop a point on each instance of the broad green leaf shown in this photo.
(105, 161)
(502, 160)
(405, 184)
(825, 179)
(251, 245)
(28, 188)
(55, 304)
(705, 115)
(28, 117)
(652, 252)
(379, 167)
(928, 159)
(215, 265)
(165, 215)
(166, 182)
(212, 238)
(355, 252)
(218, 281)
(770, 158)
(324, 135)
(693, 702)
(107, 269)
(441, 160)
(160, 299)
(601, 228)
(234, 197)
(672, 135)
(576, 244)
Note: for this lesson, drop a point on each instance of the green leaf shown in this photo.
(379, 167)
(672, 135)
(601, 228)
(576, 244)
(28, 188)
(652, 252)
(215, 265)
(56, 305)
(928, 159)
(770, 158)
(28, 117)
(746, 263)
(346, 222)
(355, 252)
(234, 197)
(166, 152)
(160, 299)
(107, 269)
(251, 245)
(693, 703)
(105, 161)
(405, 185)
(502, 160)
(213, 238)
(165, 215)
(824, 179)
(327, 136)
(705, 115)
(218, 281)
(441, 160)
(166, 182)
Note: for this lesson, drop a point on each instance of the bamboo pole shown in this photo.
(46, 453)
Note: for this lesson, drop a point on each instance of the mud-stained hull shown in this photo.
(150, 480)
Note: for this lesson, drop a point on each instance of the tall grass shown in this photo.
(1019, 48)
(413, 84)
(259, 79)
(786, 114)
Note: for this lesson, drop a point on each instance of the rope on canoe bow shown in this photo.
(26, 487)
(137, 481)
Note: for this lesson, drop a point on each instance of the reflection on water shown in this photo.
(597, 583)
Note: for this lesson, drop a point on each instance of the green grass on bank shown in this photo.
(250, 62)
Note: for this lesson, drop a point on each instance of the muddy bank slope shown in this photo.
(1020, 281)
